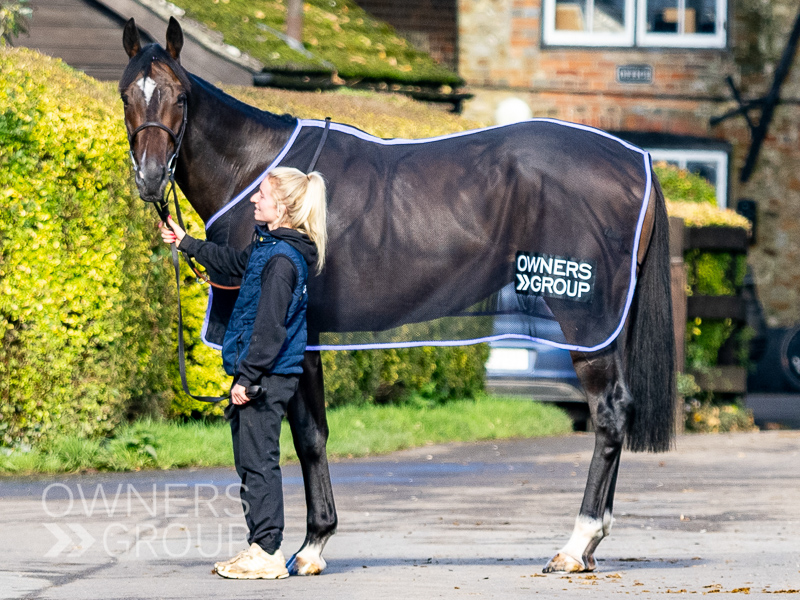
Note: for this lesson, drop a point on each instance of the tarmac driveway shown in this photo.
(721, 514)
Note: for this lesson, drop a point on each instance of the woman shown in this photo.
(264, 345)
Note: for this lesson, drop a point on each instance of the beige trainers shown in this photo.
(254, 563)
(230, 561)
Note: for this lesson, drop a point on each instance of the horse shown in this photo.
(216, 146)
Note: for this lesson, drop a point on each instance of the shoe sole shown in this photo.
(256, 575)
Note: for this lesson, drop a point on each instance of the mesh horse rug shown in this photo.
(526, 231)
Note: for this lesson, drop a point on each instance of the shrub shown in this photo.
(14, 15)
(679, 185)
(204, 372)
(87, 305)
(706, 417)
(712, 274)
(81, 295)
(428, 374)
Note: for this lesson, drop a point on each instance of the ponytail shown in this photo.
(306, 207)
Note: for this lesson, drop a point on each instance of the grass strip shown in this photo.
(355, 431)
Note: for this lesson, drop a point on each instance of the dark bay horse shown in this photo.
(219, 146)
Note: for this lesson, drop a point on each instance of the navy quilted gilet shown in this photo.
(240, 328)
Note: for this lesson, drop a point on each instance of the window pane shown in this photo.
(570, 16)
(604, 16)
(662, 16)
(609, 16)
(701, 16)
(706, 170)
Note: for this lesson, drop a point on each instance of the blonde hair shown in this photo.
(303, 196)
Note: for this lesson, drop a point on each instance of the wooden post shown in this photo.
(294, 20)
(677, 235)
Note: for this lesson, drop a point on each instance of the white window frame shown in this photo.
(584, 38)
(635, 33)
(685, 156)
(682, 40)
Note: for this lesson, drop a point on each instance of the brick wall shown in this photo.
(428, 24)
(501, 56)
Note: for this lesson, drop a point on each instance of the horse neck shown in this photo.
(226, 146)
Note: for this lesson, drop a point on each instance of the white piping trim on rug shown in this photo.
(246, 191)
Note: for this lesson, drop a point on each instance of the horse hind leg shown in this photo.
(306, 415)
(609, 402)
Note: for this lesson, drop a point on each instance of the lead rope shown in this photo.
(181, 351)
(176, 264)
(162, 208)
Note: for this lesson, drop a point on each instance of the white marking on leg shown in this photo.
(588, 531)
(308, 561)
(608, 522)
(147, 86)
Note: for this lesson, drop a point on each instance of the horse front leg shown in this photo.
(306, 414)
(609, 402)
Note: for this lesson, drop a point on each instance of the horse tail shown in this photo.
(651, 344)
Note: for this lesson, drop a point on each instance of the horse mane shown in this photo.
(269, 119)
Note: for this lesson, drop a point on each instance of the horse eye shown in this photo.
(181, 99)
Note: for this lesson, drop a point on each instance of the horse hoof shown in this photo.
(564, 563)
(306, 562)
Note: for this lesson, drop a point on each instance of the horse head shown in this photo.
(154, 89)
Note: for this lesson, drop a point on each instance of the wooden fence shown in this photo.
(726, 377)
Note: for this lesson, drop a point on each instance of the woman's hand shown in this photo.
(238, 395)
(171, 232)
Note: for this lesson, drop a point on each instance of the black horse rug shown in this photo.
(525, 231)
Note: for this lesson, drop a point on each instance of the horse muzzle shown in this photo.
(151, 180)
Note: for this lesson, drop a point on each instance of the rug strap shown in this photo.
(320, 145)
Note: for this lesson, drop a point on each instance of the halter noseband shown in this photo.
(177, 138)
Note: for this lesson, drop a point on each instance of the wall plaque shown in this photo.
(634, 74)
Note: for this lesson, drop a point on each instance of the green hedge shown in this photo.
(82, 318)
(428, 374)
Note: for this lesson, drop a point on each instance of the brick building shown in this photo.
(654, 71)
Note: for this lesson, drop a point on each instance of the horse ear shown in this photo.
(174, 39)
(130, 38)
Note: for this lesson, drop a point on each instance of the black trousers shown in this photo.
(256, 431)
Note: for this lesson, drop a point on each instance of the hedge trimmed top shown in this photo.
(692, 198)
(337, 35)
